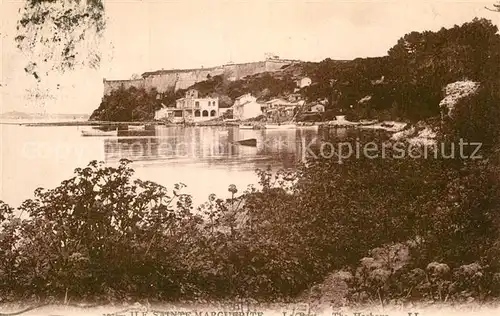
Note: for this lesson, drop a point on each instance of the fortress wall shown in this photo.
(238, 71)
(162, 82)
(187, 79)
(276, 64)
(182, 79)
(111, 85)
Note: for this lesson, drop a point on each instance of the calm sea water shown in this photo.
(206, 159)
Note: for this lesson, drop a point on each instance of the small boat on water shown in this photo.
(281, 126)
(248, 142)
(315, 127)
(367, 122)
(246, 126)
(137, 127)
(96, 132)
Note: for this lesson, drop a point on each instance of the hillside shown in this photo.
(406, 84)
(139, 104)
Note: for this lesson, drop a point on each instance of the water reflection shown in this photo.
(215, 145)
(207, 158)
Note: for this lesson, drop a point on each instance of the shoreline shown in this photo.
(111, 123)
(390, 126)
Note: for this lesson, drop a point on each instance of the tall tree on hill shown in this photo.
(424, 62)
(60, 35)
(496, 7)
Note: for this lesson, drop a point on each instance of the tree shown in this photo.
(496, 7)
(60, 34)
(124, 105)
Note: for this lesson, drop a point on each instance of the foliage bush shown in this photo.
(103, 233)
(476, 118)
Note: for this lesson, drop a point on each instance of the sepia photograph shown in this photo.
(249, 158)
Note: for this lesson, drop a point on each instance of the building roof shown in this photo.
(184, 98)
(276, 100)
(247, 102)
(245, 95)
(169, 71)
(163, 71)
(242, 104)
(281, 101)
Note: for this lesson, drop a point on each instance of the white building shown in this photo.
(303, 82)
(161, 113)
(283, 105)
(278, 103)
(246, 107)
(191, 108)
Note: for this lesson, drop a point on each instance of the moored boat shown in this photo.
(248, 142)
(367, 122)
(280, 126)
(95, 132)
(313, 126)
(136, 127)
(246, 126)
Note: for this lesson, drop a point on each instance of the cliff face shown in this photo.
(173, 80)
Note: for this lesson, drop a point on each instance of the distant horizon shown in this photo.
(46, 113)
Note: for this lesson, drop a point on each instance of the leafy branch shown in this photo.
(496, 7)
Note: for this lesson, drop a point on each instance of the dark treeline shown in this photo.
(414, 72)
(125, 105)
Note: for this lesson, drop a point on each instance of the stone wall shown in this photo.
(173, 80)
(111, 85)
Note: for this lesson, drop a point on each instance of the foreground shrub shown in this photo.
(104, 234)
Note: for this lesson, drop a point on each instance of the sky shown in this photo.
(145, 35)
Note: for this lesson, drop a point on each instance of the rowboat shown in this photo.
(281, 126)
(314, 126)
(246, 126)
(136, 127)
(95, 132)
(248, 142)
(367, 122)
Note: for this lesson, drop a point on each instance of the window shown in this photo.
(197, 104)
(197, 113)
(212, 113)
(178, 114)
(205, 113)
